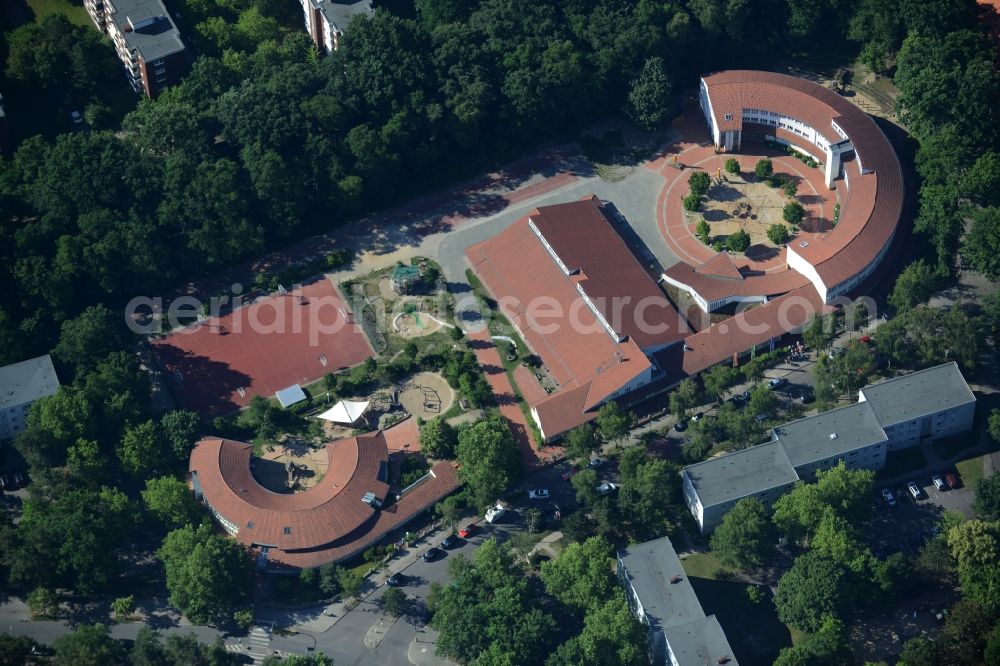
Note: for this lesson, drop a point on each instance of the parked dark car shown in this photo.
(450, 541)
(431, 554)
(681, 426)
(395, 580)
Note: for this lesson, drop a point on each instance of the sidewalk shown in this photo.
(336, 611)
(489, 359)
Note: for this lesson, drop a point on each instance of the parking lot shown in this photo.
(908, 525)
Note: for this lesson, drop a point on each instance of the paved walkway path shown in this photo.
(507, 399)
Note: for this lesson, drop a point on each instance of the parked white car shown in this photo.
(495, 512)
(606, 487)
(538, 494)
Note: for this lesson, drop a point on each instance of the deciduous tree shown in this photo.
(171, 502)
(489, 459)
(438, 439)
(793, 212)
(581, 442)
(746, 538)
(89, 645)
(209, 576)
(650, 99)
(583, 574)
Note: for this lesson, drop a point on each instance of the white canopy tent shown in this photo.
(345, 411)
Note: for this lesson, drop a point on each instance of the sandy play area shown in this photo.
(308, 465)
(414, 324)
(737, 204)
(426, 395)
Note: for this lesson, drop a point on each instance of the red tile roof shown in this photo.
(755, 326)
(609, 274)
(537, 296)
(871, 207)
(329, 521)
(722, 266)
(712, 287)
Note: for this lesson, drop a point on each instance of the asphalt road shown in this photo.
(365, 636)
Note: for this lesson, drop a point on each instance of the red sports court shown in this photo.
(218, 365)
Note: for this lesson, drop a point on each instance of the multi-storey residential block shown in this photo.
(21, 384)
(327, 20)
(890, 415)
(662, 597)
(146, 41)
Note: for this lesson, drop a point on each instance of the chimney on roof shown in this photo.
(724, 659)
(674, 580)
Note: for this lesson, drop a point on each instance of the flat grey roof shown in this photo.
(918, 394)
(651, 567)
(27, 381)
(155, 41)
(339, 14)
(671, 605)
(741, 473)
(830, 433)
(700, 642)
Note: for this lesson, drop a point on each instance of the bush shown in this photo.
(777, 234)
(793, 212)
(764, 169)
(776, 181)
(739, 241)
(733, 166)
(836, 213)
(692, 203)
(790, 188)
(703, 230)
(699, 183)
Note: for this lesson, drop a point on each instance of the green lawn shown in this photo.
(75, 13)
(704, 565)
(970, 471)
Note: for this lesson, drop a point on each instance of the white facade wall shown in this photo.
(13, 420)
(708, 518)
(710, 306)
(706, 109)
(866, 457)
(904, 434)
(796, 262)
(937, 425)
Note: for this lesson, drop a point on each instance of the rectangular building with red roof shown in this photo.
(583, 303)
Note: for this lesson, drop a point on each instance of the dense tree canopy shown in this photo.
(89, 645)
(490, 608)
(71, 540)
(209, 575)
(816, 587)
(489, 458)
(746, 538)
(583, 574)
(844, 491)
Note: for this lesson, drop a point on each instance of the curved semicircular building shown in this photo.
(859, 163)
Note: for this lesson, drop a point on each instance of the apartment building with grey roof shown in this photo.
(889, 415)
(21, 384)
(146, 40)
(661, 596)
(326, 20)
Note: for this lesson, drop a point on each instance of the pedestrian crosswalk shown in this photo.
(258, 645)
